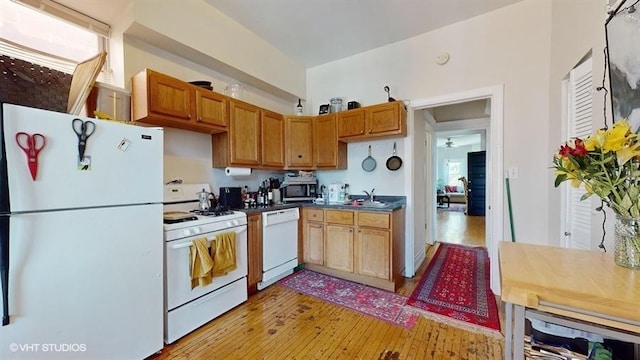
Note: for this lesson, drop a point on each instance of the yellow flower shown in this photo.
(595, 141)
(627, 153)
(616, 137)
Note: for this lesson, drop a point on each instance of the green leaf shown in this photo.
(560, 179)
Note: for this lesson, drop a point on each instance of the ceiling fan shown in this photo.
(448, 144)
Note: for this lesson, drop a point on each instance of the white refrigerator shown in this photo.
(81, 242)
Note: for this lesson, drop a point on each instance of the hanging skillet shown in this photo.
(394, 162)
(369, 163)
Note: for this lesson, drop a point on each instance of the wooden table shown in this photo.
(580, 289)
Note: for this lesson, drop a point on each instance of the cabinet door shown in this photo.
(170, 97)
(272, 139)
(351, 123)
(328, 153)
(299, 145)
(338, 248)
(373, 249)
(244, 133)
(313, 243)
(254, 250)
(383, 119)
(211, 109)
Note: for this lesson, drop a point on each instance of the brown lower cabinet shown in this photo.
(362, 246)
(254, 249)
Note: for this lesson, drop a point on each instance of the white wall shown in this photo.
(203, 34)
(483, 53)
(526, 47)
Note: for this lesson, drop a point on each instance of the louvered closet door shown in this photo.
(579, 213)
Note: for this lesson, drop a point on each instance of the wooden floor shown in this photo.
(278, 323)
(457, 228)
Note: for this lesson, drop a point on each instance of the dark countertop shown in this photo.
(391, 203)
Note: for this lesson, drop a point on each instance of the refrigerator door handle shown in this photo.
(4, 267)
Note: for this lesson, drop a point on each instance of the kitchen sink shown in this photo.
(375, 203)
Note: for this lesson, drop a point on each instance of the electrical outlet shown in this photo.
(513, 172)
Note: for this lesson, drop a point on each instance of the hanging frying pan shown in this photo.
(369, 163)
(394, 162)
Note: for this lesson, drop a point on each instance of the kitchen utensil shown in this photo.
(353, 105)
(389, 98)
(84, 129)
(31, 145)
(336, 105)
(203, 198)
(369, 163)
(394, 162)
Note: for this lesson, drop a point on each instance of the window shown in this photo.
(454, 173)
(56, 37)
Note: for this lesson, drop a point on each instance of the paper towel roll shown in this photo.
(237, 171)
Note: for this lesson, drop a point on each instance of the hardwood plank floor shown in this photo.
(457, 228)
(279, 323)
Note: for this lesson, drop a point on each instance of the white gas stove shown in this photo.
(181, 201)
(188, 308)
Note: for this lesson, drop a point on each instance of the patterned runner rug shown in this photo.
(381, 304)
(455, 289)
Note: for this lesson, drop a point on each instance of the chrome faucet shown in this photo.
(369, 194)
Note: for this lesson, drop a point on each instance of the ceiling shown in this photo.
(313, 32)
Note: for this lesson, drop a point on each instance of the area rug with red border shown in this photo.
(455, 288)
(381, 304)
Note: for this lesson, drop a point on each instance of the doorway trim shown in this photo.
(495, 172)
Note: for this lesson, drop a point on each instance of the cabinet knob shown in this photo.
(362, 132)
(189, 116)
(370, 131)
(199, 119)
(299, 156)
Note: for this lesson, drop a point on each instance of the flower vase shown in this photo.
(627, 242)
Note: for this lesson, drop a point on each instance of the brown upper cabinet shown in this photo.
(328, 152)
(312, 143)
(241, 145)
(374, 122)
(159, 99)
(299, 143)
(273, 142)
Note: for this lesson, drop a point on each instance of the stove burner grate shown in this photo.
(179, 220)
(213, 212)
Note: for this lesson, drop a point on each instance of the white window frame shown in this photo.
(24, 52)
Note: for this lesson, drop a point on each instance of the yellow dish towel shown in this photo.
(224, 253)
(201, 263)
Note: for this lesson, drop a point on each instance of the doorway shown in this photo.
(424, 222)
(459, 175)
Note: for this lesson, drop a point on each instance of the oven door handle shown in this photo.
(188, 243)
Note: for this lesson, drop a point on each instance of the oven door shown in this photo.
(178, 273)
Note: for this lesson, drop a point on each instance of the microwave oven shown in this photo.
(299, 189)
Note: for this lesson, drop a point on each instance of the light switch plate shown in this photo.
(513, 172)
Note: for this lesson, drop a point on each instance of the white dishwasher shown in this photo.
(279, 245)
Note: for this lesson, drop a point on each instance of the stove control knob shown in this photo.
(186, 232)
(196, 230)
(228, 224)
(235, 222)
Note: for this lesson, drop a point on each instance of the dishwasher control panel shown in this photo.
(280, 216)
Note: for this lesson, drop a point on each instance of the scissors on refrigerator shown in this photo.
(31, 144)
(84, 129)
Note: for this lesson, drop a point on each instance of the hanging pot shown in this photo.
(369, 163)
(394, 162)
